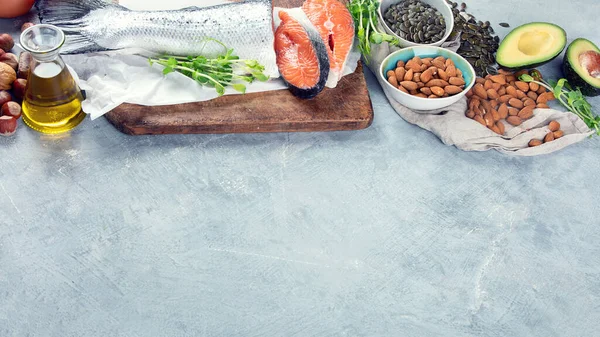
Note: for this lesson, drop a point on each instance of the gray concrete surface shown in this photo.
(381, 232)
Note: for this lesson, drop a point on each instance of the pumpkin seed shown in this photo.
(504, 24)
(419, 22)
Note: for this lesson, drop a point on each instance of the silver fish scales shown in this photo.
(95, 25)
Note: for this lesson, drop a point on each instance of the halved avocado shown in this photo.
(581, 66)
(531, 45)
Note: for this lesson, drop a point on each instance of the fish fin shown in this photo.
(59, 11)
(67, 15)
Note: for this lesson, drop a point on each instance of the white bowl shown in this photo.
(422, 105)
(440, 5)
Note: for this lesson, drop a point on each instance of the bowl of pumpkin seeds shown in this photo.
(417, 22)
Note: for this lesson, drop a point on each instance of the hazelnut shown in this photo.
(26, 25)
(8, 126)
(10, 59)
(5, 97)
(12, 109)
(19, 88)
(6, 42)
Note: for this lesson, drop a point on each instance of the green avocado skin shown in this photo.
(530, 66)
(575, 80)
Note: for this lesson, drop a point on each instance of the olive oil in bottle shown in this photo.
(52, 102)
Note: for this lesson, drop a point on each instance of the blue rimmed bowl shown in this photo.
(420, 104)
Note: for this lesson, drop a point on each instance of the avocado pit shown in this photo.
(590, 61)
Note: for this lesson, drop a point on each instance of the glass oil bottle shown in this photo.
(52, 102)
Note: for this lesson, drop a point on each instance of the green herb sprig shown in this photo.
(571, 98)
(364, 13)
(220, 72)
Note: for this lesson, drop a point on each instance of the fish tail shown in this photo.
(67, 15)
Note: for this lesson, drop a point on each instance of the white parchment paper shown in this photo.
(113, 78)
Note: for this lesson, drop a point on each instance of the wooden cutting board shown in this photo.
(345, 107)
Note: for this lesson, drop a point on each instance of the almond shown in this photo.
(494, 103)
(420, 84)
(437, 91)
(533, 86)
(456, 81)
(479, 119)
(438, 83)
(496, 86)
(400, 72)
(452, 89)
(521, 94)
(427, 61)
(541, 90)
(413, 92)
(501, 91)
(503, 111)
(423, 67)
(545, 97)
(500, 127)
(557, 134)
(390, 73)
(510, 78)
(529, 102)
(505, 98)
(441, 65)
(469, 93)
(479, 80)
(409, 85)
(535, 142)
(486, 106)
(449, 63)
(511, 91)
(513, 120)
(478, 110)
(427, 75)
(513, 111)
(433, 96)
(554, 126)
(409, 75)
(421, 95)
(417, 77)
(425, 90)
(533, 95)
(469, 113)
(516, 103)
(480, 91)
(393, 80)
(492, 93)
(474, 101)
(487, 85)
(495, 129)
(523, 86)
(443, 75)
(400, 64)
(489, 119)
(526, 112)
(549, 137)
(417, 60)
(500, 79)
(401, 88)
(450, 69)
(495, 115)
(542, 106)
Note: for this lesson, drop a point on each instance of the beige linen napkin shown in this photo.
(453, 128)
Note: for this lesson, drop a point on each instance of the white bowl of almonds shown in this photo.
(425, 78)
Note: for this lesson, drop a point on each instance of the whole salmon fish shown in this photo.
(96, 25)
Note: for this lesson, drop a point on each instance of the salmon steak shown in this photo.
(335, 25)
(301, 57)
